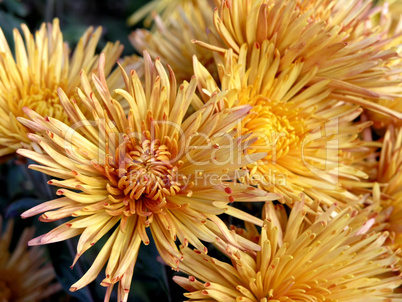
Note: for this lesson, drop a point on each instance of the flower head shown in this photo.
(342, 40)
(24, 276)
(393, 9)
(326, 261)
(39, 68)
(305, 131)
(151, 169)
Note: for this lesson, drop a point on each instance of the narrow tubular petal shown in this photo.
(134, 158)
(97, 266)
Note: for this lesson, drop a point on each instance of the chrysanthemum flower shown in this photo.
(153, 168)
(24, 276)
(336, 37)
(306, 133)
(326, 261)
(41, 65)
(172, 41)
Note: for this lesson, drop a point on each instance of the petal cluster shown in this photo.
(342, 40)
(293, 103)
(173, 43)
(40, 66)
(308, 134)
(389, 176)
(154, 168)
(325, 261)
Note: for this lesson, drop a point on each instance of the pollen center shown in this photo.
(276, 126)
(40, 98)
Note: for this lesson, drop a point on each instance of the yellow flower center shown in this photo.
(276, 126)
(43, 99)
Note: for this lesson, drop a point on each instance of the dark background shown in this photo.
(75, 16)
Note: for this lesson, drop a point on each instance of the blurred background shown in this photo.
(21, 188)
(75, 16)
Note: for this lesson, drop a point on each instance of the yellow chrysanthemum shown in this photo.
(167, 9)
(42, 65)
(306, 132)
(24, 277)
(338, 38)
(172, 42)
(153, 168)
(326, 261)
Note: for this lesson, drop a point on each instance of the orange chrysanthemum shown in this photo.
(153, 168)
(39, 68)
(24, 276)
(326, 261)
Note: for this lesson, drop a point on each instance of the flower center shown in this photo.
(43, 99)
(277, 127)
